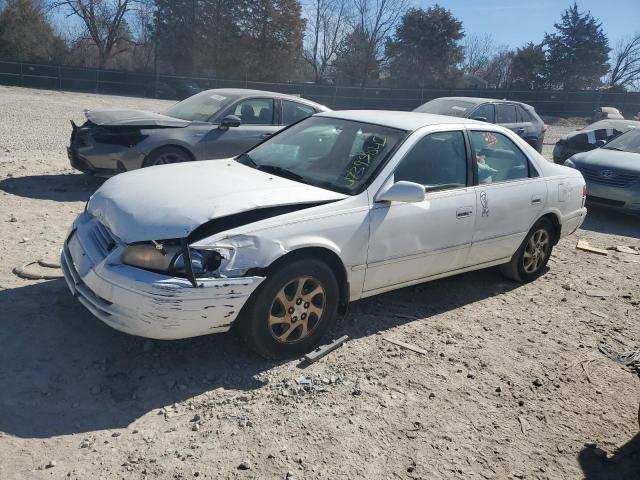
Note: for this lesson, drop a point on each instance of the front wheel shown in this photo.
(166, 156)
(292, 310)
(530, 260)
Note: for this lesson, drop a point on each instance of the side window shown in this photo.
(487, 111)
(437, 161)
(506, 113)
(498, 158)
(254, 111)
(523, 115)
(293, 112)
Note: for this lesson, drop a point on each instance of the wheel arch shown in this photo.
(554, 219)
(323, 254)
(184, 148)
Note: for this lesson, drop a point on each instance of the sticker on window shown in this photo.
(215, 96)
(371, 148)
(458, 108)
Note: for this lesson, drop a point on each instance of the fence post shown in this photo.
(98, 80)
(21, 76)
(59, 78)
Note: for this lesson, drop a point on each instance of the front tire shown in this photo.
(292, 310)
(530, 260)
(166, 156)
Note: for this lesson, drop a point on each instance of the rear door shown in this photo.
(507, 116)
(510, 194)
(486, 111)
(258, 122)
(293, 111)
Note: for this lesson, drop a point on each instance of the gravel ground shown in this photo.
(512, 385)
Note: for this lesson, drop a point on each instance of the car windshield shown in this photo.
(330, 153)
(627, 142)
(443, 106)
(200, 107)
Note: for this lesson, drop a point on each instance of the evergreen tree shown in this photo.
(528, 67)
(578, 52)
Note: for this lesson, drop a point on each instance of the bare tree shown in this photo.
(625, 65)
(376, 19)
(478, 52)
(498, 71)
(326, 29)
(103, 20)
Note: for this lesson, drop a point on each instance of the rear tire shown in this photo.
(166, 156)
(291, 310)
(531, 258)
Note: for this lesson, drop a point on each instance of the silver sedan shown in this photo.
(212, 124)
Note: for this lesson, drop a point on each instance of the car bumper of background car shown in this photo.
(143, 303)
(104, 160)
(620, 198)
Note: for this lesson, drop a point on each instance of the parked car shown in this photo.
(209, 125)
(612, 172)
(604, 113)
(590, 137)
(339, 207)
(516, 116)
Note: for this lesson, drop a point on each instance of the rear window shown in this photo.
(507, 113)
(442, 106)
(523, 115)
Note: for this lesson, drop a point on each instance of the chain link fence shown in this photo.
(58, 77)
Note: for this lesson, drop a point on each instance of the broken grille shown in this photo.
(614, 179)
(103, 238)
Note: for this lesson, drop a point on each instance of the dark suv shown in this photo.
(516, 116)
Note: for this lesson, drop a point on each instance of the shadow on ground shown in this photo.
(72, 187)
(624, 464)
(612, 222)
(62, 371)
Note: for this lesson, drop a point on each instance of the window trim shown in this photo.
(233, 106)
(470, 175)
(476, 179)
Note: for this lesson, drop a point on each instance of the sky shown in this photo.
(516, 22)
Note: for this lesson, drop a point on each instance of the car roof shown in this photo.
(247, 92)
(479, 100)
(408, 121)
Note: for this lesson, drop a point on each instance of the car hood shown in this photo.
(606, 158)
(170, 201)
(128, 117)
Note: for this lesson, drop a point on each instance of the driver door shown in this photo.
(413, 241)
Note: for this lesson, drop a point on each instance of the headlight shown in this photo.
(569, 163)
(168, 258)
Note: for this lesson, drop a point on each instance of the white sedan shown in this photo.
(338, 207)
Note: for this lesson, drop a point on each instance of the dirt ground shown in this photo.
(512, 385)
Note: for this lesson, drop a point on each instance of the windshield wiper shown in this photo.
(245, 159)
(281, 172)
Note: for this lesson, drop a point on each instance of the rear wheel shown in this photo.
(530, 260)
(292, 310)
(166, 156)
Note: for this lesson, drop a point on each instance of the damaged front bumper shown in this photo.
(144, 303)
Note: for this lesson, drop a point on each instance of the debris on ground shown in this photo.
(408, 346)
(584, 245)
(25, 271)
(324, 350)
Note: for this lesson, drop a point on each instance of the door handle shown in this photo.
(265, 135)
(520, 131)
(464, 212)
(536, 200)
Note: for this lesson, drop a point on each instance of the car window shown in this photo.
(498, 159)
(487, 111)
(293, 112)
(254, 111)
(446, 106)
(506, 113)
(201, 107)
(339, 155)
(523, 115)
(438, 160)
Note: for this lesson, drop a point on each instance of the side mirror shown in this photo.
(480, 119)
(601, 143)
(407, 192)
(229, 121)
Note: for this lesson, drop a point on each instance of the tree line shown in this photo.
(345, 42)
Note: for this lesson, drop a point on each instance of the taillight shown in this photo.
(545, 127)
(584, 190)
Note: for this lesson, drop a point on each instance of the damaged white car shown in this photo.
(338, 207)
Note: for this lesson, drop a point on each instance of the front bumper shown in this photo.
(144, 303)
(104, 160)
(619, 198)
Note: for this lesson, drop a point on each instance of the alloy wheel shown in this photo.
(536, 251)
(297, 309)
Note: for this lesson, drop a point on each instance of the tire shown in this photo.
(531, 258)
(306, 317)
(166, 156)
